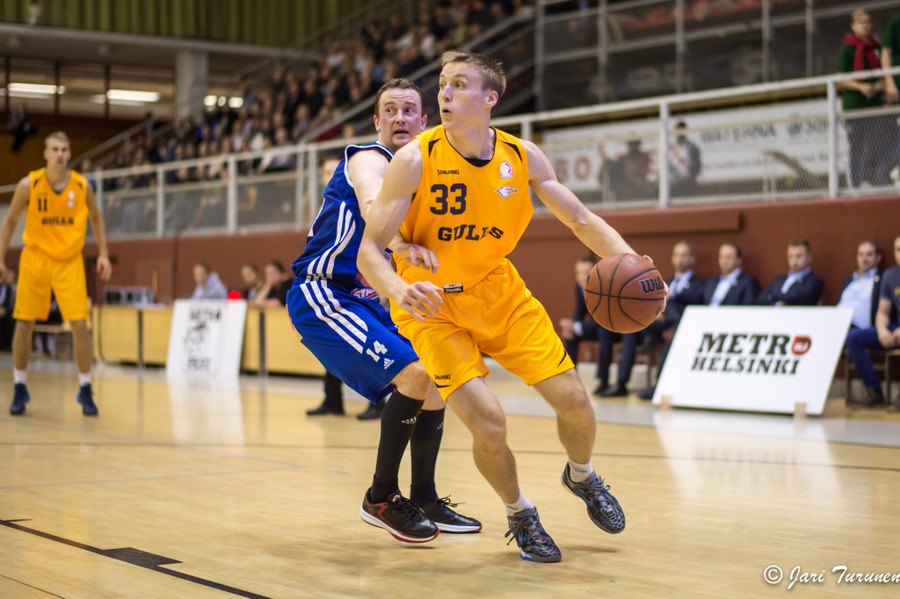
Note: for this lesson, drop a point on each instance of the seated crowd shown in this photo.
(872, 292)
(292, 106)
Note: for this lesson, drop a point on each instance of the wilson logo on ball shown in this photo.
(651, 285)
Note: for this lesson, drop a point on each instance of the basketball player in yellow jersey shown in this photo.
(461, 191)
(57, 204)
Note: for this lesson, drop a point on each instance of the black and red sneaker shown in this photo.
(400, 517)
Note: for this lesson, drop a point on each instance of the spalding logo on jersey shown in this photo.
(506, 170)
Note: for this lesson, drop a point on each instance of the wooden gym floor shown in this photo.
(212, 489)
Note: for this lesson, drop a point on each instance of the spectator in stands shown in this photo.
(732, 287)
(800, 286)
(20, 125)
(864, 134)
(684, 164)
(7, 302)
(252, 283)
(626, 177)
(209, 286)
(890, 52)
(582, 326)
(685, 289)
(860, 291)
(276, 284)
(884, 335)
(280, 162)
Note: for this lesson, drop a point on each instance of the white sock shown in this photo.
(84, 379)
(579, 472)
(521, 503)
(19, 376)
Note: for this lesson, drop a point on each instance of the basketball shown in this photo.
(624, 293)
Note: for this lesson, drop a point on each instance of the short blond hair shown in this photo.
(58, 136)
(492, 76)
(856, 14)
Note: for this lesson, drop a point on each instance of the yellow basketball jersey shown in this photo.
(470, 213)
(55, 223)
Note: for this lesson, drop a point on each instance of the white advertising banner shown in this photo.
(206, 337)
(758, 359)
(744, 143)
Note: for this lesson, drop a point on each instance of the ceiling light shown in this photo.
(35, 88)
(130, 95)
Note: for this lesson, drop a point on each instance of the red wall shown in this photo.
(547, 252)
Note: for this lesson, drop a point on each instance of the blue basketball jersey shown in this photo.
(333, 241)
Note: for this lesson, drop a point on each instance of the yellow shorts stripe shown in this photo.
(497, 316)
(38, 275)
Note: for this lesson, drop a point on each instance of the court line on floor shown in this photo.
(136, 557)
(149, 478)
(31, 586)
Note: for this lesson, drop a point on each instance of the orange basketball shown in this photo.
(624, 293)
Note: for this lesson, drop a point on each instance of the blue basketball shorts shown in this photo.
(352, 336)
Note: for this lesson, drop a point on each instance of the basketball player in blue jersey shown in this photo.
(342, 322)
(461, 190)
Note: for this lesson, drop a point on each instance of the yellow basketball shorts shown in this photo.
(38, 275)
(497, 316)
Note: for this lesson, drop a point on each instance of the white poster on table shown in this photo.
(206, 337)
(759, 359)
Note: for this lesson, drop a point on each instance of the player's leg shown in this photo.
(21, 346)
(32, 304)
(481, 412)
(355, 340)
(424, 446)
(70, 287)
(577, 430)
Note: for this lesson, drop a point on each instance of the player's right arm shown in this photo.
(383, 220)
(19, 201)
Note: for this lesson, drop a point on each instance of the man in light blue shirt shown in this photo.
(209, 285)
(733, 287)
(800, 286)
(859, 291)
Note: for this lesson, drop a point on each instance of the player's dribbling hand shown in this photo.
(104, 268)
(417, 255)
(422, 299)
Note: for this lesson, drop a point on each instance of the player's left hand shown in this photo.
(104, 268)
(417, 255)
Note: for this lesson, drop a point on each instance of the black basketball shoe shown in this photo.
(535, 545)
(602, 507)
(439, 512)
(400, 517)
(86, 399)
(20, 398)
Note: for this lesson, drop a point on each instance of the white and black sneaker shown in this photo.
(439, 512)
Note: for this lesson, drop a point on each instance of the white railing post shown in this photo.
(833, 190)
(232, 197)
(662, 155)
(301, 170)
(312, 187)
(160, 201)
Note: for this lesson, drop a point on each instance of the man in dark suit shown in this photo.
(800, 286)
(7, 302)
(582, 326)
(861, 293)
(685, 289)
(733, 287)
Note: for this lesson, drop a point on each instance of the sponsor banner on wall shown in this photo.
(745, 143)
(761, 359)
(206, 337)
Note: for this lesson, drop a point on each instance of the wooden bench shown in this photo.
(62, 335)
(883, 362)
